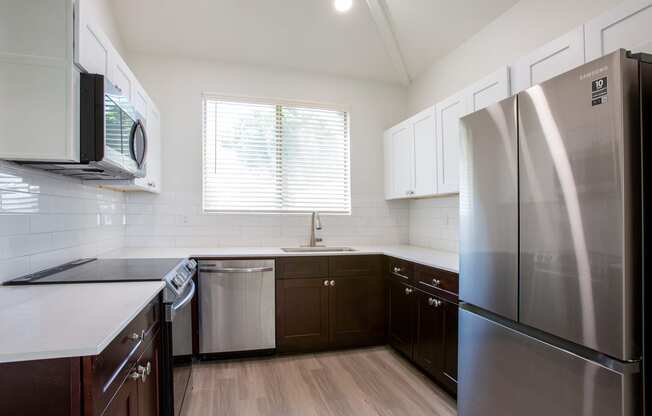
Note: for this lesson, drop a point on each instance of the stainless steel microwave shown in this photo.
(112, 135)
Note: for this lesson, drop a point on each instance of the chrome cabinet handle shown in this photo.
(137, 337)
(325, 282)
(397, 271)
(434, 302)
(142, 372)
(332, 283)
(408, 291)
(436, 282)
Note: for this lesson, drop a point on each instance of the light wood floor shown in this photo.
(370, 381)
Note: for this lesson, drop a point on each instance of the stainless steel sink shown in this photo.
(317, 249)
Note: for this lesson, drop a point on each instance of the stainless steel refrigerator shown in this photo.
(551, 243)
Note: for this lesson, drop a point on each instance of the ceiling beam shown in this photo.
(379, 13)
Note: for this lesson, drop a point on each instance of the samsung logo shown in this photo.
(594, 73)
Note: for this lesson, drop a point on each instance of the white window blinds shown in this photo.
(269, 157)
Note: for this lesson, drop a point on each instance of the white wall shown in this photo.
(102, 13)
(175, 217)
(47, 220)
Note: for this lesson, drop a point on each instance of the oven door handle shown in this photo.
(183, 302)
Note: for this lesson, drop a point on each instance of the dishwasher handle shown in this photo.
(236, 269)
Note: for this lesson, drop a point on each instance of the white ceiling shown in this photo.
(429, 29)
(306, 35)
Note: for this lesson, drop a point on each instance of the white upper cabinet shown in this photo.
(422, 152)
(38, 82)
(410, 157)
(93, 49)
(449, 113)
(388, 165)
(141, 101)
(402, 160)
(121, 76)
(628, 26)
(552, 59)
(152, 181)
(489, 90)
(423, 126)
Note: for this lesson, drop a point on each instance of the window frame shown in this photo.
(282, 103)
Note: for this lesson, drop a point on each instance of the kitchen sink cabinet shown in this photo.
(302, 314)
(329, 302)
(356, 311)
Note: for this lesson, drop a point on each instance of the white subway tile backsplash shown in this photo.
(46, 220)
(434, 223)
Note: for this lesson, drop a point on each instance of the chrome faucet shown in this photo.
(315, 225)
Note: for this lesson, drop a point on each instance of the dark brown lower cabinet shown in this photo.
(423, 327)
(356, 309)
(451, 313)
(125, 402)
(302, 314)
(429, 338)
(109, 384)
(401, 316)
(318, 313)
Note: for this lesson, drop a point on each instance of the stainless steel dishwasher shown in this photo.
(236, 306)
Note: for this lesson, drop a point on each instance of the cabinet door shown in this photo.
(356, 311)
(402, 160)
(92, 46)
(302, 314)
(449, 362)
(125, 402)
(152, 181)
(402, 314)
(120, 75)
(388, 166)
(625, 26)
(554, 58)
(423, 126)
(449, 113)
(148, 390)
(489, 90)
(429, 340)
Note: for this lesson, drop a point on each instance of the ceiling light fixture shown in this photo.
(343, 6)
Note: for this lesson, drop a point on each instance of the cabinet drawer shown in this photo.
(400, 269)
(430, 279)
(301, 267)
(104, 373)
(355, 265)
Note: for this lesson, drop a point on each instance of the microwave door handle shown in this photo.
(138, 125)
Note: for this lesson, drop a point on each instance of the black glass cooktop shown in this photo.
(101, 270)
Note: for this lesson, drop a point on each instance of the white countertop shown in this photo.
(67, 320)
(427, 257)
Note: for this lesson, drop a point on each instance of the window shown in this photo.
(270, 157)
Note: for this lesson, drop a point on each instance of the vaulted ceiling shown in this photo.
(306, 35)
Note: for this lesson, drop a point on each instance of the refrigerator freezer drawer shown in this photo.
(504, 372)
